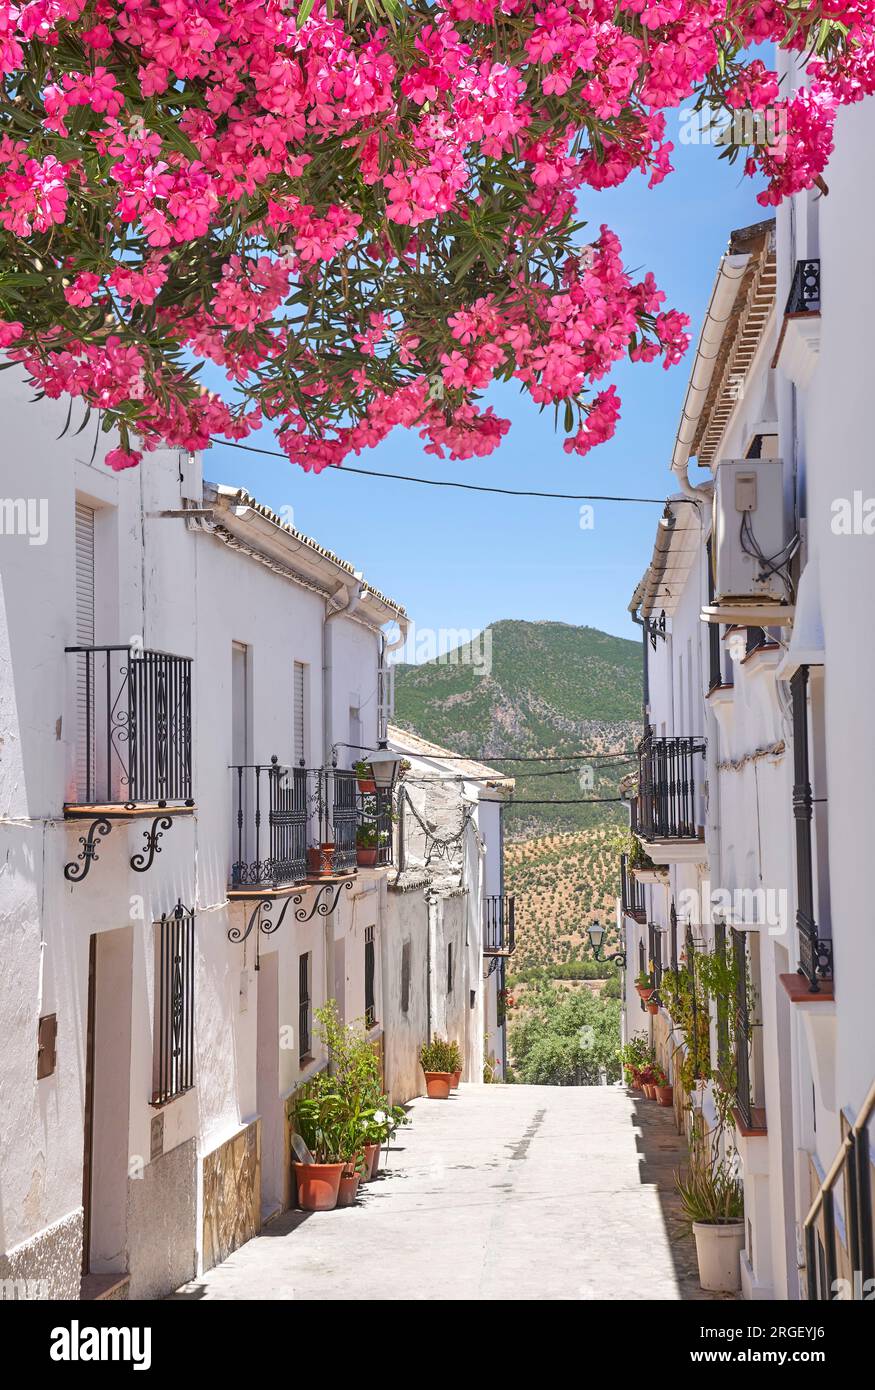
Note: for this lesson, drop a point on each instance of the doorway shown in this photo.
(106, 1162)
(267, 1094)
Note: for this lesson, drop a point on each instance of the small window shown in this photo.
(449, 967)
(173, 1053)
(304, 1006)
(370, 1001)
(405, 977)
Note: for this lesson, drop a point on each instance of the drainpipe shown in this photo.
(431, 955)
(344, 603)
(729, 276)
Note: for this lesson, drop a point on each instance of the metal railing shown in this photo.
(499, 924)
(804, 296)
(174, 1025)
(852, 1162)
(631, 892)
(666, 806)
(133, 711)
(289, 822)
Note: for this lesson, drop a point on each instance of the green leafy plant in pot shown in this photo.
(712, 1198)
(437, 1059)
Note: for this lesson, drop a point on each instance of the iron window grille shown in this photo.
(743, 1030)
(405, 977)
(370, 962)
(715, 652)
(449, 967)
(631, 892)
(655, 948)
(134, 741)
(815, 952)
(304, 1006)
(174, 993)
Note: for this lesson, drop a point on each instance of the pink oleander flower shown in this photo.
(119, 459)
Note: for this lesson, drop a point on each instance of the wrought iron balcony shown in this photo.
(499, 924)
(133, 743)
(666, 806)
(804, 296)
(294, 823)
(631, 893)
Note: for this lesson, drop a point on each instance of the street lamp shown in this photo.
(596, 934)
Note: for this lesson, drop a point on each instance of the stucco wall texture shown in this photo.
(162, 1223)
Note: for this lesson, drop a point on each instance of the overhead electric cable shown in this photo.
(466, 487)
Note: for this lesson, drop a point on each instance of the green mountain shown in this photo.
(534, 689)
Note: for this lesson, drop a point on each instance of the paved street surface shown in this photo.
(526, 1192)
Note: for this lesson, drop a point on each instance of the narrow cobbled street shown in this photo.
(525, 1192)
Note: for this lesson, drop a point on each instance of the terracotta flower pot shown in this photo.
(652, 1008)
(635, 1082)
(366, 858)
(372, 1161)
(645, 991)
(318, 1185)
(349, 1186)
(457, 1077)
(367, 786)
(320, 861)
(437, 1084)
(650, 1090)
(665, 1095)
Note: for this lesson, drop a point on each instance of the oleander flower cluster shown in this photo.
(364, 212)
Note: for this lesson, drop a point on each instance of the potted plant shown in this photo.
(652, 1004)
(456, 1059)
(712, 1197)
(664, 1088)
(365, 777)
(366, 845)
(436, 1058)
(644, 984)
(633, 1056)
(319, 1121)
(320, 860)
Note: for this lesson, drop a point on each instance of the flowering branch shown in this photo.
(364, 213)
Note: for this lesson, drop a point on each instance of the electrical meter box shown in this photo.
(750, 529)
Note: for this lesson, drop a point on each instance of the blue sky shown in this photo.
(463, 560)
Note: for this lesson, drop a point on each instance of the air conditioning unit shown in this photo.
(751, 532)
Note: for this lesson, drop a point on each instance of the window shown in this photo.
(405, 977)
(84, 587)
(298, 715)
(449, 967)
(304, 1006)
(370, 1002)
(173, 1052)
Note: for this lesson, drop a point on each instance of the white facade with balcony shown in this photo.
(145, 1111)
(778, 691)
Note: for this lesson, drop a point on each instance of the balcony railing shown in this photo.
(804, 296)
(291, 822)
(499, 924)
(631, 893)
(133, 710)
(666, 805)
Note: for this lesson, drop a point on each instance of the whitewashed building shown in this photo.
(186, 683)
(449, 925)
(752, 797)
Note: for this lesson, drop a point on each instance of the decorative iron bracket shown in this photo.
(143, 861)
(98, 829)
(320, 908)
